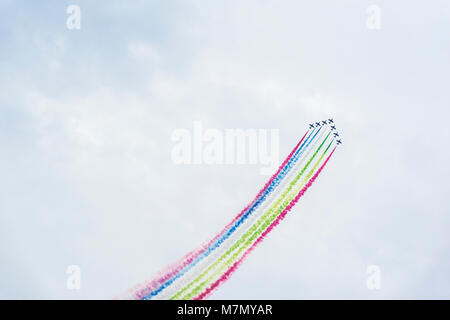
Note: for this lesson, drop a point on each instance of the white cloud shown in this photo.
(143, 51)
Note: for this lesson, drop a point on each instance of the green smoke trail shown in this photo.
(257, 233)
(254, 227)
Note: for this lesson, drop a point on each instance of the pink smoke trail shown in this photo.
(236, 265)
(141, 290)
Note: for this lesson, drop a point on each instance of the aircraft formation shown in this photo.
(332, 127)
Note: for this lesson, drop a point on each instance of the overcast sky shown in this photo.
(86, 118)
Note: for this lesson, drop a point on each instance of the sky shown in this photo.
(86, 118)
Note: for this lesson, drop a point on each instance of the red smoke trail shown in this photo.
(236, 265)
(170, 271)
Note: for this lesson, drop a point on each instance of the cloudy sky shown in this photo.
(86, 118)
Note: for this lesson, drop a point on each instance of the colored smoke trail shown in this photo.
(236, 265)
(174, 291)
(169, 278)
(255, 225)
(262, 224)
(175, 288)
(197, 274)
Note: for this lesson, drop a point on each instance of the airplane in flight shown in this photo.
(333, 127)
(330, 121)
(336, 134)
(317, 124)
(338, 141)
(324, 123)
(311, 126)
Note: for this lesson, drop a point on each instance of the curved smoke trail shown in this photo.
(186, 279)
(236, 265)
(176, 271)
(254, 226)
(257, 228)
(197, 274)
